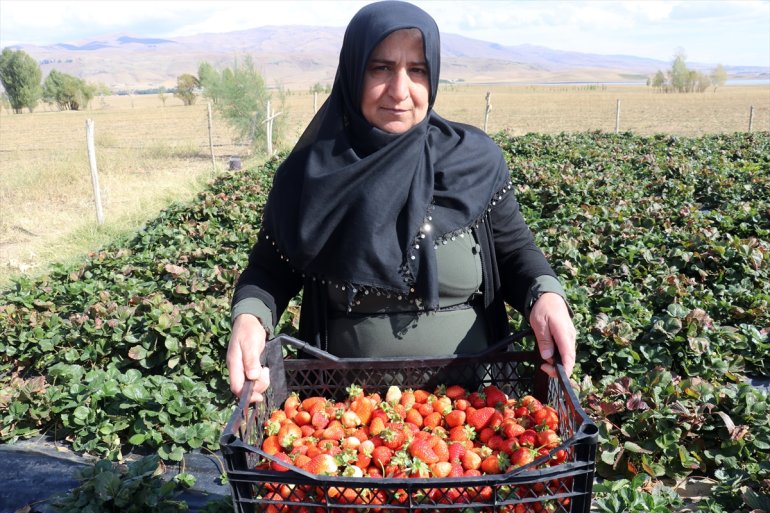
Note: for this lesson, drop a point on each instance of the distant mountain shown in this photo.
(297, 57)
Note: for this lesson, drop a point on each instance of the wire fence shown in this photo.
(147, 127)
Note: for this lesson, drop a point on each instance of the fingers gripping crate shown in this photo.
(565, 487)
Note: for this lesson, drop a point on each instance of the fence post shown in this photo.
(269, 131)
(617, 116)
(315, 102)
(211, 142)
(269, 128)
(94, 172)
(751, 118)
(487, 110)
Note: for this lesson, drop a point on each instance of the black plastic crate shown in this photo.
(562, 488)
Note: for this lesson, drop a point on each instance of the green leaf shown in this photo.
(636, 448)
(107, 485)
(136, 392)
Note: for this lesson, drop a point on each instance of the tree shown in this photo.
(679, 73)
(162, 96)
(242, 98)
(186, 85)
(21, 76)
(320, 88)
(659, 80)
(718, 76)
(66, 91)
(210, 81)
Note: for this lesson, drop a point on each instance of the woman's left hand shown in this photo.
(552, 325)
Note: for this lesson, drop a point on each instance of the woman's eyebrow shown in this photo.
(375, 60)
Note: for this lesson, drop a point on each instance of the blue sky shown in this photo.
(732, 32)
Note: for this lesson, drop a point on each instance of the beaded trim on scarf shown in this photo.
(355, 290)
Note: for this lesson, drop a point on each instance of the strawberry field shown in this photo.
(662, 242)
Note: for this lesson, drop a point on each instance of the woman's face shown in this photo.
(396, 84)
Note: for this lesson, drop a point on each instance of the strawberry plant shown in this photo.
(662, 242)
(133, 488)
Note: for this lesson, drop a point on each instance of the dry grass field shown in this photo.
(150, 153)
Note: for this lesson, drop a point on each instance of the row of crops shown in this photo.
(663, 244)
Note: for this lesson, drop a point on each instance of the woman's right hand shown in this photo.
(247, 342)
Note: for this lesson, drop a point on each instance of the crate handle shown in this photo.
(309, 348)
(321, 354)
(504, 342)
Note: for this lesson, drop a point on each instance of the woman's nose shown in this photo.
(399, 85)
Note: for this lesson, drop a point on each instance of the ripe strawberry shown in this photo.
(471, 460)
(393, 436)
(477, 399)
(381, 456)
(365, 451)
(521, 411)
(456, 469)
(496, 442)
(301, 460)
(461, 404)
(510, 445)
(495, 463)
(522, 456)
(456, 451)
(271, 445)
(289, 432)
(548, 439)
(419, 469)
(494, 396)
(363, 407)
(277, 417)
(302, 418)
(440, 469)
(480, 418)
(485, 434)
(334, 431)
(319, 419)
(530, 403)
(322, 464)
(421, 396)
(422, 450)
(431, 420)
(376, 426)
(462, 433)
(455, 392)
(292, 402)
(455, 418)
(511, 429)
(495, 420)
(443, 405)
(440, 447)
(558, 457)
(426, 409)
(408, 399)
(282, 456)
(413, 416)
(528, 438)
(314, 404)
(546, 416)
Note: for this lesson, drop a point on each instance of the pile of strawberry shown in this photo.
(449, 432)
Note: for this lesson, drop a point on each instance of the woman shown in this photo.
(400, 227)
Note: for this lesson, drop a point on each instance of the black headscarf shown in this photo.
(362, 207)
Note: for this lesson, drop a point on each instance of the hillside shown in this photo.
(300, 56)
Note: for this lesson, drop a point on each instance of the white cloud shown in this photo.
(736, 31)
